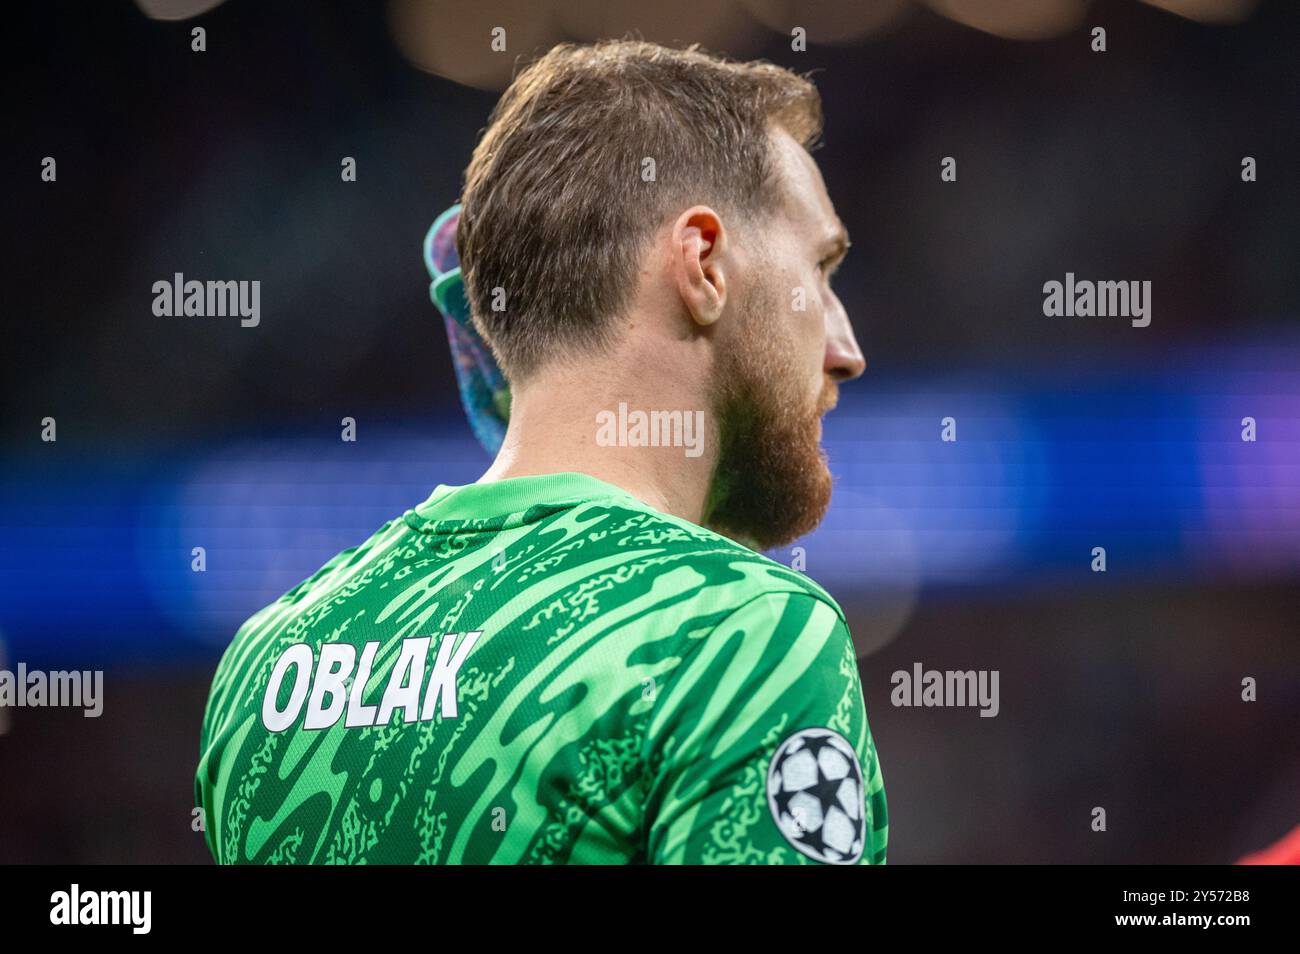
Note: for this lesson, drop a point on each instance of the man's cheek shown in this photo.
(813, 339)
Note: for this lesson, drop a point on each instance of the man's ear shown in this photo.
(699, 245)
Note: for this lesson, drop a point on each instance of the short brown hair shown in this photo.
(556, 211)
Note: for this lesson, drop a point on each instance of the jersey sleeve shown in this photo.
(759, 748)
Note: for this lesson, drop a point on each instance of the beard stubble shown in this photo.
(772, 484)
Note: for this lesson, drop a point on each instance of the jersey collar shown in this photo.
(516, 495)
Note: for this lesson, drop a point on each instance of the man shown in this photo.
(560, 663)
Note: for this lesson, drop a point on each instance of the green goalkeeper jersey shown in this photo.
(542, 670)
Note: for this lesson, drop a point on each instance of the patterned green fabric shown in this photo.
(557, 674)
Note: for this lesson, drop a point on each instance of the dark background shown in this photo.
(1119, 690)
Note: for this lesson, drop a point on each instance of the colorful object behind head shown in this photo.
(483, 388)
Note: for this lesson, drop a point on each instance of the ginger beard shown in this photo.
(772, 484)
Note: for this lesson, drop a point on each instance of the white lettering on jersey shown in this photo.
(334, 684)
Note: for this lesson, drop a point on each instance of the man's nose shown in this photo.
(843, 361)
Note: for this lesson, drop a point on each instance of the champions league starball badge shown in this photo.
(814, 788)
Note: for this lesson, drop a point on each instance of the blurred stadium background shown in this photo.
(1119, 689)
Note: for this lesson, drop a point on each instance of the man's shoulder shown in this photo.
(326, 601)
(723, 564)
(348, 574)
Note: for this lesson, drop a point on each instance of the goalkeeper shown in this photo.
(583, 657)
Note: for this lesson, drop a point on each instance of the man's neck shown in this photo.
(559, 426)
